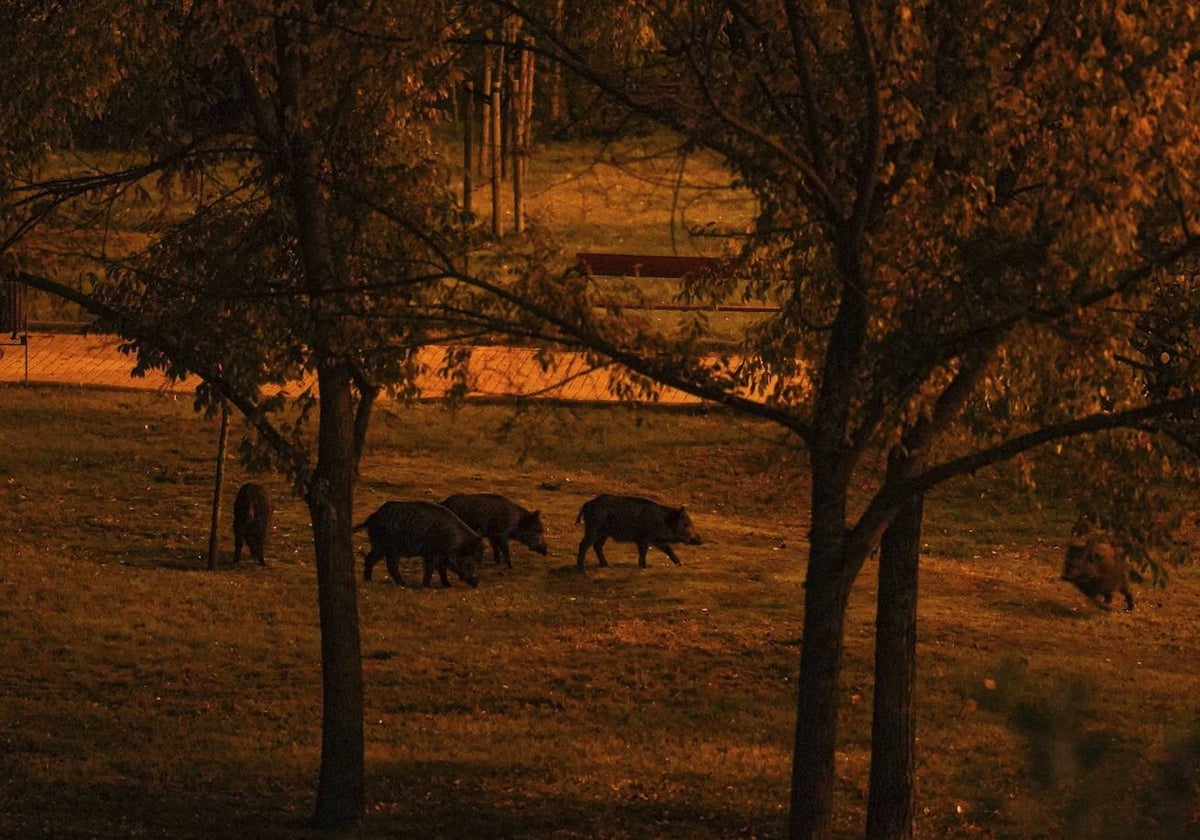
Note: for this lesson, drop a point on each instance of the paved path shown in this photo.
(494, 372)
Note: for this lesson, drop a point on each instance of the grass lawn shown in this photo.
(141, 696)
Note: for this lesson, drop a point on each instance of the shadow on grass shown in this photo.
(175, 559)
(190, 560)
(459, 801)
(132, 811)
(444, 800)
(1045, 608)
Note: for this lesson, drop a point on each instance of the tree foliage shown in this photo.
(217, 145)
(964, 210)
(302, 230)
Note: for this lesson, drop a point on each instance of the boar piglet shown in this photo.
(1097, 569)
(251, 517)
(633, 519)
(426, 530)
(498, 520)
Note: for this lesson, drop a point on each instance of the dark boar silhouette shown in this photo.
(251, 518)
(633, 519)
(1097, 569)
(498, 520)
(426, 530)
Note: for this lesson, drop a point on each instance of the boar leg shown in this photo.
(257, 550)
(599, 548)
(369, 561)
(440, 564)
(393, 567)
(666, 549)
(1128, 598)
(500, 551)
(237, 548)
(642, 549)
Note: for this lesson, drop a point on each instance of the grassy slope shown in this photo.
(144, 697)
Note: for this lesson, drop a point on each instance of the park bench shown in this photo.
(662, 266)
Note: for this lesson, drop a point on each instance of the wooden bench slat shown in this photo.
(652, 265)
(645, 265)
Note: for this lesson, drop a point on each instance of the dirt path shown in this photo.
(494, 372)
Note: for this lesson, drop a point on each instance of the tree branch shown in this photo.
(872, 151)
(130, 328)
(1089, 424)
(696, 381)
(874, 520)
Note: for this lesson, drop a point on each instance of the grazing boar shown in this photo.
(426, 530)
(498, 520)
(633, 519)
(1097, 569)
(251, 516)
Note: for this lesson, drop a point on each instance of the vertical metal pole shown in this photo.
(219, 481)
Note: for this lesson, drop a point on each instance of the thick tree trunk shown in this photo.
(890, 811)
(827, 591)
(829, 578)
(340, 795)
(817, 708)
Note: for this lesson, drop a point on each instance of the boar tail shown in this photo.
(579, 518)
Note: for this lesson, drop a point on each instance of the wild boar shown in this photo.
(1097, 569)
(251, 518)
(633, 519)
(426, 530)
(499, 520)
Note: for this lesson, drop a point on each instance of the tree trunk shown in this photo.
(826, 594)
(485, 120)
(518, 172)
(890, 811)
(341, 799)
(468, 146)
(497, 160)
(557, 108)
